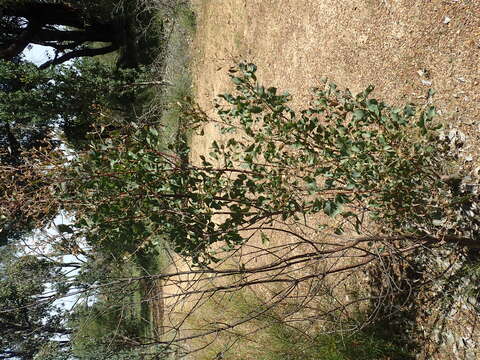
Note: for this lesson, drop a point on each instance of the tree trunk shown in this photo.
(42, 29)
(22, 41)
(46, 13)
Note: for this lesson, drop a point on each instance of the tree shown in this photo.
(68, 27)
(348, 157)
(29, 320)
(352, 158)
(40, 109)
(99, 321)
(70, 98)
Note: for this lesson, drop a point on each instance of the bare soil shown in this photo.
(385, 43)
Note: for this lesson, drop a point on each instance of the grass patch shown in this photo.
(370, 343)
(271, 336)
(162, 104)
(187, 18)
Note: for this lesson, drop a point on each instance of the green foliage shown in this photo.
(346, 156)
(151, 24)
(28, 325)
(365, 344)
(36, 108)
(106, 351)
(113, 325)
(176, 61)
(72, 97)
(74, 103)
(109, 320)
(186, 17)
(274, 337)
(110, 187)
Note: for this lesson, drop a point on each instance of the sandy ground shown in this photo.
(384, 43)
(402, 47)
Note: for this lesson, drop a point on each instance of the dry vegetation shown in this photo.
(403, 47)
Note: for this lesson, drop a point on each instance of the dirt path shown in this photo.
(381, 42)
(403, 47)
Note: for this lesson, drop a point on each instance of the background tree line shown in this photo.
(48, 114)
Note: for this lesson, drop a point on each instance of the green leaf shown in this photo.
(264, 238)
(359, 114)
(237, 80)
(372, 105)
(255, 109)
(409, 110)
(64, 229)
(331, 208)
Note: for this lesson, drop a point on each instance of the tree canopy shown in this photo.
(34, 102)
(29, 320)
(69, 27)
(39, 109)
(47, 112)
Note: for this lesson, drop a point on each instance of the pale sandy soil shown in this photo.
(355, 44)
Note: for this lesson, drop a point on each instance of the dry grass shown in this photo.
(310, 305)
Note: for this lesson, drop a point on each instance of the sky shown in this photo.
(38, 54)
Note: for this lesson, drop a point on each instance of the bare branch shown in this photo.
(79, 53)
